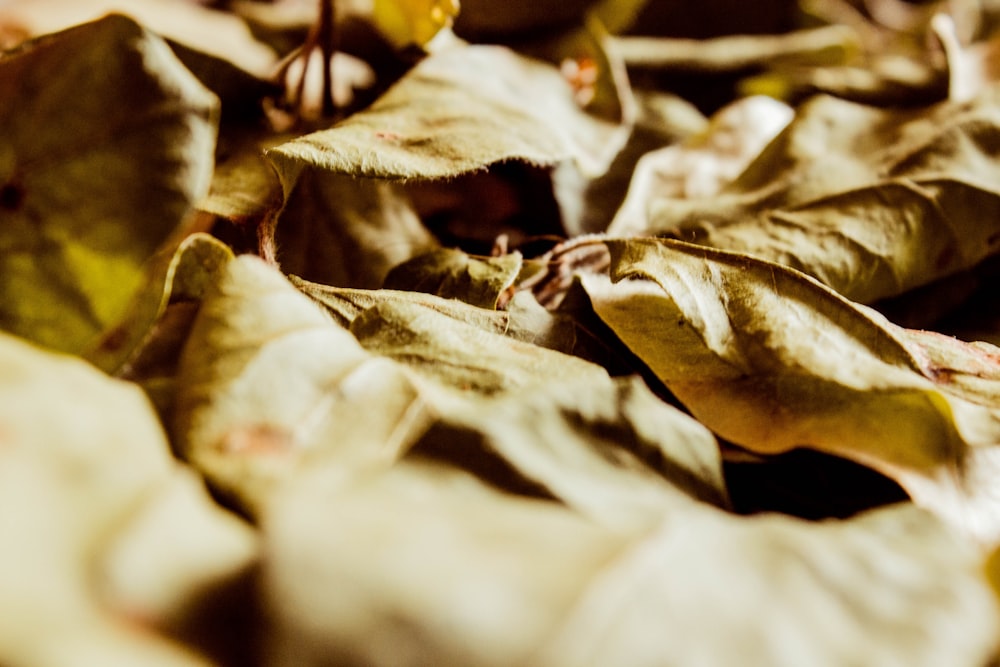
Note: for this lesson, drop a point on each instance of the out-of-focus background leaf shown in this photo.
(90, 189)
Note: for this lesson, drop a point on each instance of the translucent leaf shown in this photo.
(90, 188)
(406, 22)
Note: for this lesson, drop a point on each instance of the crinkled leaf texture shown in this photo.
(346, 304)
(99, 525)
(453, 274)
(872, 202)
(459, 110)
(268, 380)
(430, 567)
(609, 449)
(770, 359)
(90, 186)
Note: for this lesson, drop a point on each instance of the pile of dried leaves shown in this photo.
(388, 332)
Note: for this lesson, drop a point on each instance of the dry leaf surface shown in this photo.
(543, 348)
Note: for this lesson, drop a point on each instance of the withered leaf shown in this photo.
(81, 494)
(453, 274)
(345, 304)
(460, 356)
(89, 188)
(342, 231)
(268, 380)
(445, 118)
(485, 578)
(871, 202)
(608, 449)
(770, 359)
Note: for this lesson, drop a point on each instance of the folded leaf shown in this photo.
(770, 359)
(183, 274)
(343, 231)
(445, 118)
(610, 450)
(267, 380)
(462, 357)
(90, 187)
(345, 304)
(871, 202)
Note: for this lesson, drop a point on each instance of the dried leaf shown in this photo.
(199, 28)
(453, 274)
(347, 232)
(346, 304)
(78, 491)
(610, 450)
(267, 380)
(445, 118)
(431, 567)
(183, 274)
(704, 163)
(871, 202)
(90, 188)
(460, 356)
(771, 360)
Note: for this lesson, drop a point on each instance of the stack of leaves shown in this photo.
(391, 332)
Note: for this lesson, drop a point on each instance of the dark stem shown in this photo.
(326, 36)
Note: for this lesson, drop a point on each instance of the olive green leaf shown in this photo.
(489, 579)
(453, 274)
(446, 117)
(91, 187)
(461, 356)
(181, 275)
(88, 486)
(770, 359)
(267, 380)
(144, 345)
(609, 449)
(871, 202)
(245, 188)
(345, 304)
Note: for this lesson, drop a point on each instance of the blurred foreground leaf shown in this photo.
(102, 531)
(484, 578)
